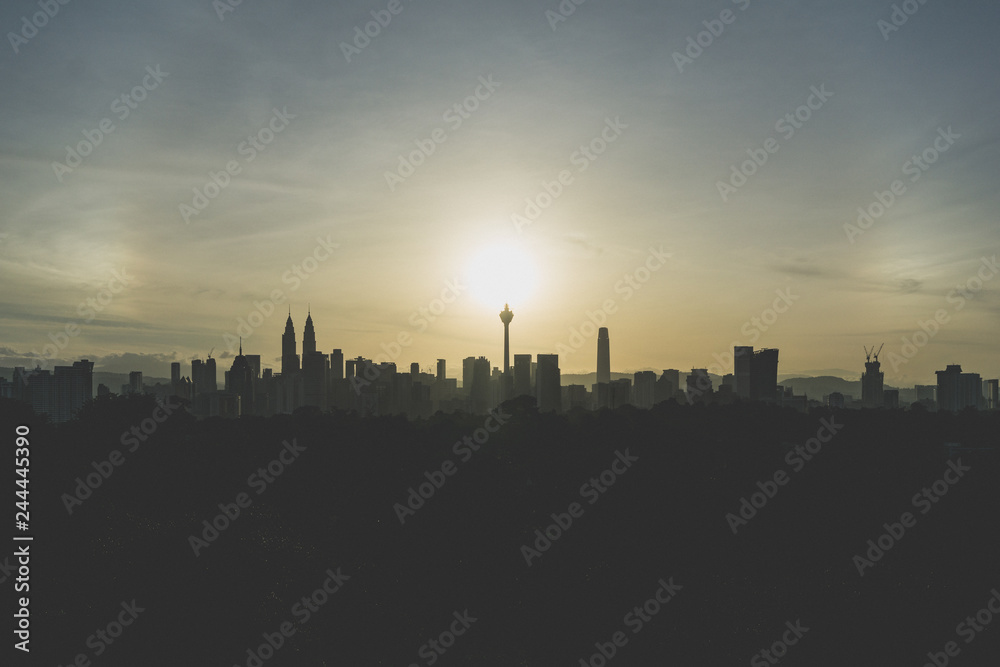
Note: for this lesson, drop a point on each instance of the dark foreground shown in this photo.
(640, 563)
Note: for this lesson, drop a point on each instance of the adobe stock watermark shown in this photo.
(581, 158)
(924, 501)
(696, 44)
(259, 480)
(786, 126)
(435, 648)
(454, 116)
(968, 629)
(928, 329)
(122, 106)
(592, 491)
(254, 145)
(302, 611)
(630, 283)
(563, 11)
(37, 21)
(293, 277)
(103, 470)
(635, 620)
(779, 648)
(915, 167)
(900, 14)
(436, 478)
(223, 7)
(381, 19)
(796, 459)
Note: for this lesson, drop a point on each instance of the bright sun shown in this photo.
(501, 274)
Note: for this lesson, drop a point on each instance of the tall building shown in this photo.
(872, 390)
(890, 399)
(764, 375)
(197, 377)
(603, 356)
(254, 361)
(548, 388)
(755, 374)
(522, 375)
(240, 382)
(314, 379)
(337, 365)
(289, 358)
(957, 390)
(175, 372)
(73, 386)
(644, 385)
(308, 336)
(619, 393)
(135, 382)
(666, 386)
(742, 362)
(210, 377)
(481, 394)
(441, 370)
(468, 364)
(991, 392)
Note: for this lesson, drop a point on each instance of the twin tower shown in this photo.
(289, 357)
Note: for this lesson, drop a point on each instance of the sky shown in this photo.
(175, 175)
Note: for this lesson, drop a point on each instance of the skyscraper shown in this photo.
(197, 376)
(644, 386)
(480, 393)
(603, 356)
(742, 361)
(135, 382)
(755, 374)
(240, 381)
(308, 336)
(441, 370)
(73, 386)
(548, 389)
(764, 375)
(522, 375)
(289, 358)
(210, 379)
(314, 379)
(957, 390)
(337, 365)
(872, 391)
(991, 392)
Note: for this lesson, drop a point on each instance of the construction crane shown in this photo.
(213, 350)
(872, 353)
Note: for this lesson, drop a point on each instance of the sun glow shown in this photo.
(501, 274)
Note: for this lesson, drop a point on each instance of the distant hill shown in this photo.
(818, 387)
(114, 381)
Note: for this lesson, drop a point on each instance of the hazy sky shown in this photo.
(331, 122)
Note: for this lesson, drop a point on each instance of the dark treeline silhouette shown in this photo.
(333, 507)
